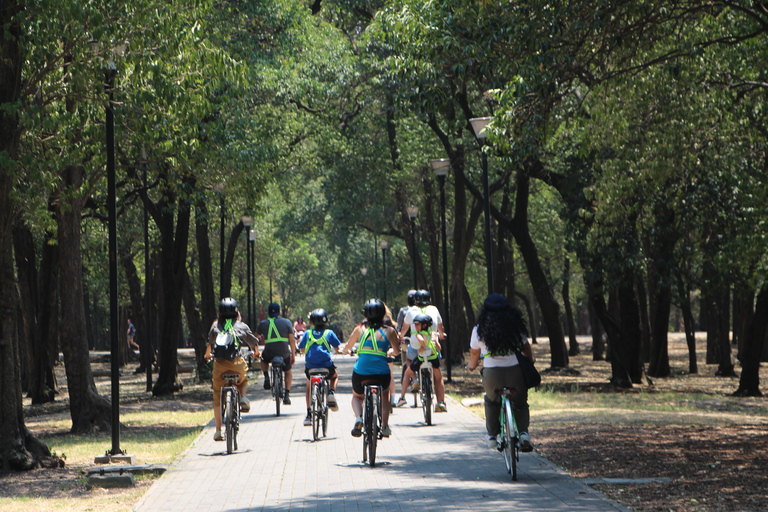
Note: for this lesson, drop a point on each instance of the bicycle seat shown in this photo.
(319, 371)
(230, 376)
(277, 360)
(371, 382)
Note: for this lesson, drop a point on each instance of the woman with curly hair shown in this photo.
(499, 333)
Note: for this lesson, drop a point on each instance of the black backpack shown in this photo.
(227, 345)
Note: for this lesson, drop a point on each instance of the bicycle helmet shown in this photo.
(424, 319)
(318, 318)
(423, 298)
(228, 308)
(411, 297)
(374, 310)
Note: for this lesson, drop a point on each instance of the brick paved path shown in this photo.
(420, 468)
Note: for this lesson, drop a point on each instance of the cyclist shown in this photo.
(423, 306)
(319, 343)
(225, 352)
(375, 341)
(278, 336)
(499, 333)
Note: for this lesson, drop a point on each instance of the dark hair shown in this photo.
(501, 329)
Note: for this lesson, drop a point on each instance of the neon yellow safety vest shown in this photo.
(373, 349)
(428, 336)
(311, 340)
(273, 330)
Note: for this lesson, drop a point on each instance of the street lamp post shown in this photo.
(247, 222)
(252, 294)
(364, 271)
(413, 212)
(384, 244)
(479, 126)
(441, 167)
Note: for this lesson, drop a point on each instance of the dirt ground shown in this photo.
(714, 459)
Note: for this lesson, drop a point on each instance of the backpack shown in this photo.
(227, 345)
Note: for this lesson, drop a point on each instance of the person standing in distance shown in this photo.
(130, 336)
(424, 307)
(227, 358)
(318, 344)
(278, 336)
(499, 333)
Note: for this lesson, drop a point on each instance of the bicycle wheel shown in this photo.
(426, 396)
(324, 407)
(374, 428)
(510, 440)
(228, 420)
(366, 424)
(278, 387)
(235, 418)
(316, 411)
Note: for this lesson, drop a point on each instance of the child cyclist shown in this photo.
(318, 344)
(428, 350)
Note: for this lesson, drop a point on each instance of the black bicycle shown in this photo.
(276, 374)
(319, 404)
(425, 392)
(371, 420)
(230, 409)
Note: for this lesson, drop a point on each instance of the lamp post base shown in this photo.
(110, 459)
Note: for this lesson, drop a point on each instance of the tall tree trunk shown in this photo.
(198, 330)
(550, 309)
(598, 346)
(689, 324)
(659, 364)
(173, 254)
(620, 374)
(645, 318)
(573, 345)
(89, 410)
(208, 302)
(631, 342)
(529, 311)
(749, 383)
(137, 311)
(743, 310)
(229, 260)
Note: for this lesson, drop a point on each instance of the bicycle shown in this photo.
(425, 392)
(230, 409)
(276, 374)
(371, 420)
(319, 403)
(508, 440)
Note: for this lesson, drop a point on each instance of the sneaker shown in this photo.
(441, 407)
(286, 398)
(245, 404)
(490, 441)
(357, 430)
(332, 405)
(525, 442)
(266, 383)
(415, 386)
(308, 421)
(386, 431)
(402, 401)
(217, 436)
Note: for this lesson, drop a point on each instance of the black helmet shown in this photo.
(411, 297)
(374, 310)
(318, 318)
(228, 308)
(423, 298)
(424, 319)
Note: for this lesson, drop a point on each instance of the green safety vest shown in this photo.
(428, 336)
(374, 349)
(273, 330)
(311, 340)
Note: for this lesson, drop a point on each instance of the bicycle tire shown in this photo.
(228, 421)
(324, 408)
(235, 418)
(374, 427)
(278, 386)
(426, 398)
(316, 411)
(366, 424)
(510, 440)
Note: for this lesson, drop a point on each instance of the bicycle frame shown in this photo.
(230, 409)
(509, 437)
(276, 371)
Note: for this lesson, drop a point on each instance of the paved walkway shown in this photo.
(420, 468)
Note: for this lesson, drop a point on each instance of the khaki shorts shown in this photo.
(221, 366)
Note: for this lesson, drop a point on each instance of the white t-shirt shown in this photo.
(492, 361)
(416, 310)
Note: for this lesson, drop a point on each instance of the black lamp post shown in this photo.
(384, 244)
(441, 167)
(413, 212)
(247, 222)
(478, 125)
(252, 295)
(364, 271)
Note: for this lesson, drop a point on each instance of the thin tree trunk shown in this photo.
(531, 320)
(229, 259)
(689, 324)
(749, 383)
(197, 327)
(573, 349)
(208, 302)
(136, 315)
(89, 410)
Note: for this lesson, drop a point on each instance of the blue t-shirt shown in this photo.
(372, 364)
(318, 355)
